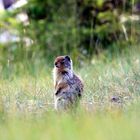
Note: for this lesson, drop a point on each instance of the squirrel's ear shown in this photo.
(67, 57)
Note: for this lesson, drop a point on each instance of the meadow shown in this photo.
(109, 109)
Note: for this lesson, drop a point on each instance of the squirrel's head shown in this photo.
(63, 63)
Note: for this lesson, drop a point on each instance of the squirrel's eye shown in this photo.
(62, 62)
(55, 63)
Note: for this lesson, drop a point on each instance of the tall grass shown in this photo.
(109, 108)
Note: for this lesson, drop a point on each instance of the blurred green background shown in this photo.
(32, 34)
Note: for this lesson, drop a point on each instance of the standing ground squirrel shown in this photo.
(68, 86)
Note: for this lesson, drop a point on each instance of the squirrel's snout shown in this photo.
(56, 64)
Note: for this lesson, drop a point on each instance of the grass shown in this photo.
(109, 110)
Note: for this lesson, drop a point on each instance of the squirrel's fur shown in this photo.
(68, 86)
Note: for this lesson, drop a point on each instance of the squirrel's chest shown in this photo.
(65, 78)
(61, 79)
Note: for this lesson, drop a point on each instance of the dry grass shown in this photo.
(109, 108)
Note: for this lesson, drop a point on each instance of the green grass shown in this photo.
(26, 103)
(83, 126)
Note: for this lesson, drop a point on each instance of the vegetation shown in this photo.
(102, 37)
(80, 28)
(108, 110)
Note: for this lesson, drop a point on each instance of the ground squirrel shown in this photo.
(68, 86)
